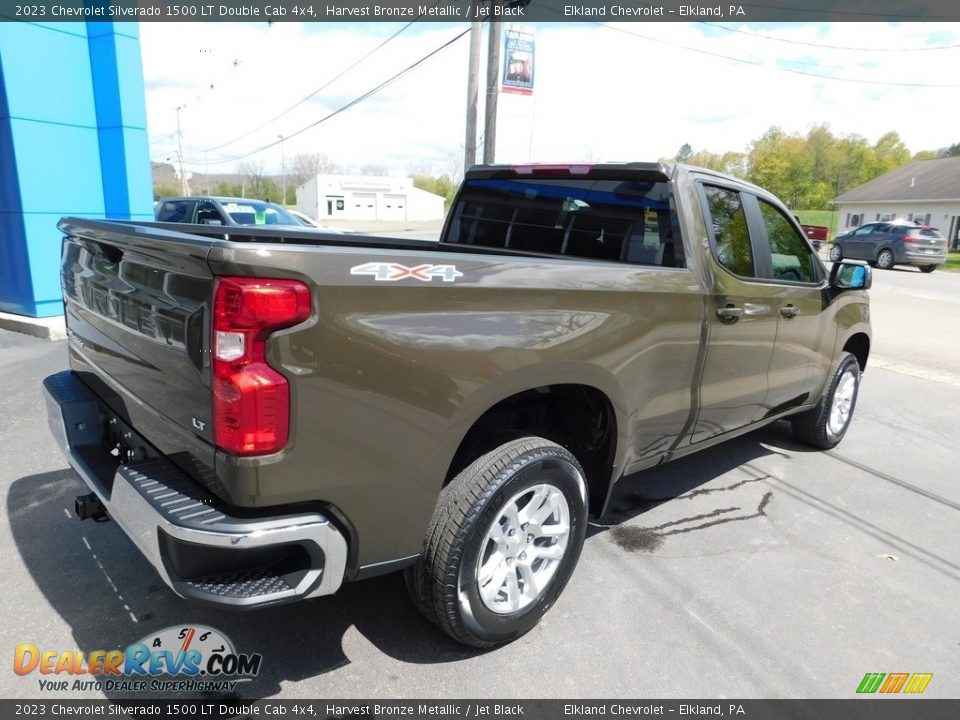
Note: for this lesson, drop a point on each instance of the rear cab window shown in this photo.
(629, 220)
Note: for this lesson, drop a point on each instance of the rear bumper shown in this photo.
(922, 258)
(200, 551)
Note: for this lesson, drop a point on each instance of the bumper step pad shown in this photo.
(245, 584)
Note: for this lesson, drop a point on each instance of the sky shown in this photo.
(603, 92)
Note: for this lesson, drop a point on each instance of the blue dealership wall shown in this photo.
(73, 141)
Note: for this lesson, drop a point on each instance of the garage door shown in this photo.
(392, 207)
(363, 206)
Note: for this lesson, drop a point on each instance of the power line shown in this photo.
(214, 84)
(319, 89)
(757, 63)
(827, 46)
(343, 108)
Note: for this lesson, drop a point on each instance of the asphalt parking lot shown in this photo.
(755, 569)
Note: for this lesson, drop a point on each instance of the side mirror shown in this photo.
(851, 275)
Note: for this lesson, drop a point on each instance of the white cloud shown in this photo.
(600, 93)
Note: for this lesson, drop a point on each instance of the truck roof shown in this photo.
(602, 169)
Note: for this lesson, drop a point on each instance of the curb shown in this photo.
(49, 328)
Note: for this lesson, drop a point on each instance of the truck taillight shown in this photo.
(251, 400)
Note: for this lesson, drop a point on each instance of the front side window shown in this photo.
(729, 222)
(207, 214)
(865, 230)
(789, 254)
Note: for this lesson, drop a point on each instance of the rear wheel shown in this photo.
(825, 425)
(503, 542)
(885, 260)
(928, 268)
(836, 254)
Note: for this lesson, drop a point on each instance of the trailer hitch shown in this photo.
(90, 507)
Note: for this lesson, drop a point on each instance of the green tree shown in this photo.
(443, 186)
(165, 189)
(684, 153)
(890, 153)
(227, 189)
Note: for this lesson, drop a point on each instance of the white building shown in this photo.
(924, 191)
(367, 197)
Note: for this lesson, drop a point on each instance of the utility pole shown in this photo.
(184, 187)
(473, 90)
(490, 110)
(283, 173)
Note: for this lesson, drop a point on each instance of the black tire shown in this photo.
(836, 253)
(445, 584)
(928, 268)
(814, 427)
(885, 260)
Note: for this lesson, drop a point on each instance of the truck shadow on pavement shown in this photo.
(101, 585)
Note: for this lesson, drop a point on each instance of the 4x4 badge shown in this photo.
(391, 272)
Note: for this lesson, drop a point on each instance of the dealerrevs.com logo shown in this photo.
(176, 659)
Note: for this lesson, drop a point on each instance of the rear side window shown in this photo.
(616, 220)
(729, 223)
(180, 211)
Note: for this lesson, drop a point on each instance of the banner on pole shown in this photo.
(518, 56)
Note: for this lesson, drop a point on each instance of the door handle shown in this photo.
(729, 313)
(789, 311)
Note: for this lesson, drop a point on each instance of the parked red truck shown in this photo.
(816, 234)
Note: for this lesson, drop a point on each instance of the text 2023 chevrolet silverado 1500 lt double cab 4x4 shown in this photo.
(268, 414)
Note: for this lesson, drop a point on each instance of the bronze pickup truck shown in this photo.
(269, 413)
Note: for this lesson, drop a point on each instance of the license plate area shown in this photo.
(119, 440)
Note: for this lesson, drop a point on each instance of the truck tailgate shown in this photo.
(137, 307)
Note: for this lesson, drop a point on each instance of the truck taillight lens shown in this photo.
(251, 400)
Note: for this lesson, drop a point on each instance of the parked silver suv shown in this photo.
(897, 242)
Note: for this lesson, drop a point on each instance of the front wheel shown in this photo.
(885, 260)
(825, 425)
(928, 268)
(503, 542)
(836, 254)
